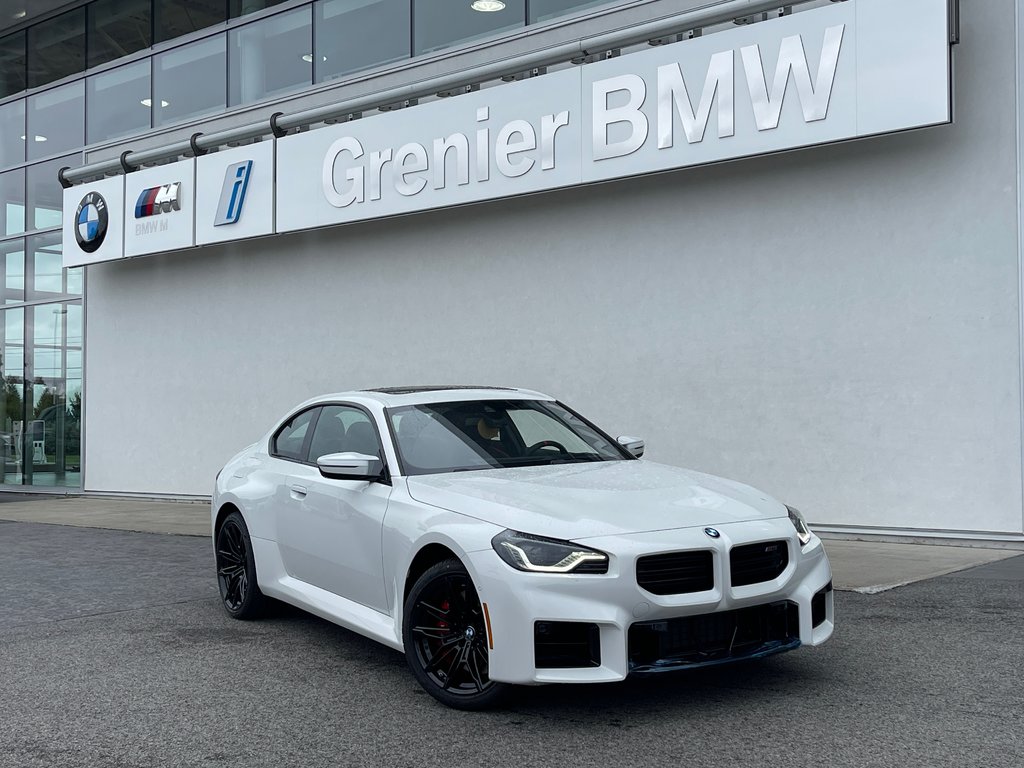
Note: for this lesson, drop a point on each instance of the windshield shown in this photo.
(489, 434)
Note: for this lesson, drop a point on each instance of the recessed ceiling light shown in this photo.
(487, 6)
(308, 58)
(149, 103)
(37, 138)
(19, 14)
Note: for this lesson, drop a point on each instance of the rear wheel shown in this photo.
(236, 570)
(445, 638)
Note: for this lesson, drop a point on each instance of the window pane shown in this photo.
(443, 23)
(13, 288)
(175, 18)
(357, 34)
(270, 56)
(56, 120)
(543, 10)
(189, 81)
(45, 194)
(118, 28)
(119, 102)
(12, 133)
(12, 64)
(238, 8)
(12, 202)
(292, 437)
(56, 48)
(45, 275)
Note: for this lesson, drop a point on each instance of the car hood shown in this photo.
(576, 501)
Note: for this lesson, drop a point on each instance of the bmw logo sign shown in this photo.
(91, 222)
(712, 532)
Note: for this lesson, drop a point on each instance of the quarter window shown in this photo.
(290, 440)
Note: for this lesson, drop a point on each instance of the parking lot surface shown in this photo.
(114, 651)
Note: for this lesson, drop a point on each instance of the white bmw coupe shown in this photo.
(495, 536)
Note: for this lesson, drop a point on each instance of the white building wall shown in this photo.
(838, 326)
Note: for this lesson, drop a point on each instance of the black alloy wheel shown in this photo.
(446, 641)
(236, 569)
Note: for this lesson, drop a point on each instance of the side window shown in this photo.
(343, 429)
(288, 442)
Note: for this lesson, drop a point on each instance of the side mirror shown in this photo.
(350, 466)
(632, 444)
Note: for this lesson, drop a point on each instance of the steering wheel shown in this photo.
(537, 447)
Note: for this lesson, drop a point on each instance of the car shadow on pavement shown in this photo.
(669, 693)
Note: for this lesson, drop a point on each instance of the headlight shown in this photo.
(539, 555)
(802, 531)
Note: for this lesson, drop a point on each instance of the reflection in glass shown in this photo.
(238, 8)
(118, 28)
(12, 64)
(544, 10)
(12, 133)
(12, 252)
(56, 120)
(53, 411)
(443, 23)
(56, 48)
(189, 81)
(175, 18)
(12, 202)
(44, 268)
(270, 56)
(357, 34)
(119, 102)
(12, 406)
(45, 195)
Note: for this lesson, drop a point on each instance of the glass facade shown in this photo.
(55, 120)
(276, 52)
(439, 24)
(174, 18)
(12, 64)
(271, 56)
(118, 28)
(189, 81)
(359, 34)
(56, 48)
(119, 102)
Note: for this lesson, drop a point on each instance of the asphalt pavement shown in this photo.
(114, 651)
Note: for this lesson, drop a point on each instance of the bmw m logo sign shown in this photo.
(91, 222)
(157, 200)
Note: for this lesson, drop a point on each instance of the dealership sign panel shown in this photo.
(845, 71)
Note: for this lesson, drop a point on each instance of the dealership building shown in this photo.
(782, 243)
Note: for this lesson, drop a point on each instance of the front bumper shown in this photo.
(794, 608)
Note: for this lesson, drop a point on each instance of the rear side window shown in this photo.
(290, 440)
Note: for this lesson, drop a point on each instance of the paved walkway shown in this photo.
(859, 566)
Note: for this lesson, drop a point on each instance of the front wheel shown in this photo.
(236, 570)
(445, 637)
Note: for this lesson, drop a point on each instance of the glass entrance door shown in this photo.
(41, 405)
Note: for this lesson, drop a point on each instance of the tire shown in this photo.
(236, 570)
(446, 641)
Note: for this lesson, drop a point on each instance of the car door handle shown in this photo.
(298, 491)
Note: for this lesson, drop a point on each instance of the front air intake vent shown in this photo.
(755, 563)
(676, 573)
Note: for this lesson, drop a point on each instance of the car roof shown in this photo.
(414, 395)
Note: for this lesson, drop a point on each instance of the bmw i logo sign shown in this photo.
(712, 532)
(91, 222)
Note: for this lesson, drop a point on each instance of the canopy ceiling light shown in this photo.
(487, 6)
